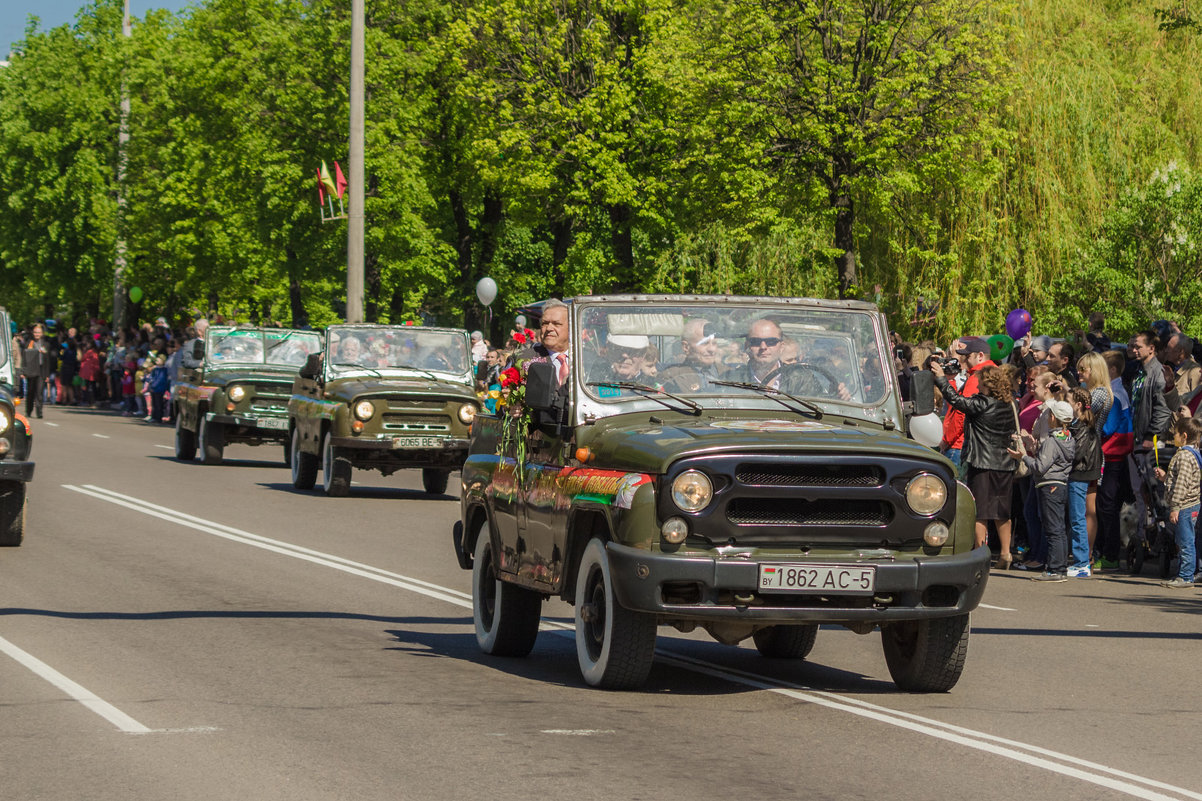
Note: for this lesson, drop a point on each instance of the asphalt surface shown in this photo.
(184, 632)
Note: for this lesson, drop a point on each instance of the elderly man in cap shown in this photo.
(973, 354)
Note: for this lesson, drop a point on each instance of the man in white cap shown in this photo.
(627, 355)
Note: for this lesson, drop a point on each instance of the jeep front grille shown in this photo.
(809, 475)
(794, 512)
(272, 389)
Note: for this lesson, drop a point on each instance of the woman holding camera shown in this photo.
(990, 427)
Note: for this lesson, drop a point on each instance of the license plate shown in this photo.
(818, 579)
(272, 423)
(399, 443)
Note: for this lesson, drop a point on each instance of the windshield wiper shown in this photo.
(429, 374)
(772, 394)
(354, 366)
(632, 386)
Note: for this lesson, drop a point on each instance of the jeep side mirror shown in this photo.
(312, 366)
(198, 350)
(922, 392)
(541, 387)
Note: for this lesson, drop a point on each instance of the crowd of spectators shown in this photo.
(1074, 452)
(129, 370)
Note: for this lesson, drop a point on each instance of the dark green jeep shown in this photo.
(234, 387)
(382, 398)
(736, 464)
(16, 446)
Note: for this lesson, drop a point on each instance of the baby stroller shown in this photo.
(1155, 541)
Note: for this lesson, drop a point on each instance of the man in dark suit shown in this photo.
(555, 332)
(765, 367)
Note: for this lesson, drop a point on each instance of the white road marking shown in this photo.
(52, 425)
(998, 608)
(77, 693)
(165, 447)
(578, 732)
(101, 436)
(1024, 753)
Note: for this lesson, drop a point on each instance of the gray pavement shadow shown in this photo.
(189, 614)
(553, 661)
(1100, 634)
(224, 462)
(362, 492)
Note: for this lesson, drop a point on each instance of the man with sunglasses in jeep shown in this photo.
(764, 345)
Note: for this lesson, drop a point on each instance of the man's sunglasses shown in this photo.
(755, 342)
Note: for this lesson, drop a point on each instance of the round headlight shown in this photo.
(5, 420)
(935, 535)
(467, 413)
(674, 530)
(237, 393)
(926, 494)
(364, 410)
(692, 491)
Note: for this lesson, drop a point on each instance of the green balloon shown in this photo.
(1000, 346)
(135, 293)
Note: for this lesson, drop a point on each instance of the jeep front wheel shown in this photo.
(212, 442)
(614, 645)
(506, 616)
(185, 440)
(304, 465)
(926, 656)
(335, 470)
(12, 514)
(786, 642)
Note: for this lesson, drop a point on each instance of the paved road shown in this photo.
(173, 631)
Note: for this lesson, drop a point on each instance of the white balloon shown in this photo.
(520, 320)
(486, 290)
(927, 429)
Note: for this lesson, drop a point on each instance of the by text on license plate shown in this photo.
(276, 423)
(416, 442)
(818, 579)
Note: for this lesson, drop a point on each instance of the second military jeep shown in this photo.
(237, 389)
(382, 398)
(739, 465)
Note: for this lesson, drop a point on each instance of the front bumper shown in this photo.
(907, 589)
(277, 429)
(16, 471)
(371, 452)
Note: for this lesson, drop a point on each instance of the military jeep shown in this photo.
(382, 398)
(234, 388)
(739, 465)
(16, 446)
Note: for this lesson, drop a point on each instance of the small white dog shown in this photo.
(1128, 522)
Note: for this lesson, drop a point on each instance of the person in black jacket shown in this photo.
(991, 422)
(1084, 478)
(35, 366)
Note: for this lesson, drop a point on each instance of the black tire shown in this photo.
(212, 442)
(12, 514)
(926, 656)
(288, 453)
(615, 646)
(185, 441)
(304, 465)
(335, 470)
(1135, 556)
(435, 480)
(786, 642)
(506, 616)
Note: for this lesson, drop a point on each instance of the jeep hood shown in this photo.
(621, 443)
(229, 375)
(370, 386)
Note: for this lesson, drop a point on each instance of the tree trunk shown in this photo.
(295, 299)
(623, 248)
(463, 250)
(845, 262)
(561, 242)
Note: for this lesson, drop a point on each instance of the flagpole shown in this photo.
(355, 218)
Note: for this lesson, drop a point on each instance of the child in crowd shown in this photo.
(1087, 470)
(1182, 494)
(128, 384)
(141, 391)
(159, 382)
(1050, 468)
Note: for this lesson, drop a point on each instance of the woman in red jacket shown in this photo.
(89, 371)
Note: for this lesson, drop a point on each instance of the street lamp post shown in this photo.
(119, 263)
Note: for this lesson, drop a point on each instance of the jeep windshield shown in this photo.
(734, 352)
(258, 347)
(378, 350)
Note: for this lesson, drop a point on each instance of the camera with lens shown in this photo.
(951, 366)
